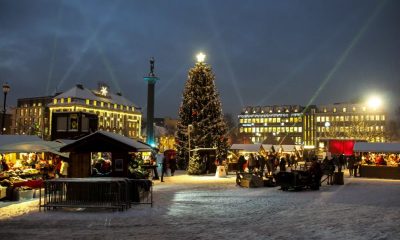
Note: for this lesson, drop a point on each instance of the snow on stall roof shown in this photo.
(34, 146)
(377, 147)
(246, 147)
(138, 145)
(10, 139)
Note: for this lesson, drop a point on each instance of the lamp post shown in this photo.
(6, 89)
(190, 128)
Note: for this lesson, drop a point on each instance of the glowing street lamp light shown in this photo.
(201, 57)
(327, 124)
(6, 89)
(374, 102)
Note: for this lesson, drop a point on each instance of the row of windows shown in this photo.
(352, 129)
(351, 118)
(271, 111)
(29, 111)
(101, 113)
(270, 120)
(345, 109)
(270, 129)
(33, 105)
(297, 140)
(96, 103)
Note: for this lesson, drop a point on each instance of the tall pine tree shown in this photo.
(200, 108)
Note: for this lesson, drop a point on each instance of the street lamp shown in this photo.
(190, 128)
(374, 102)
(6, 88)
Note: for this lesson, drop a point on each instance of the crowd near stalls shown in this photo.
(275, 165)
(250, 157)
(25, 162)
(379, 160)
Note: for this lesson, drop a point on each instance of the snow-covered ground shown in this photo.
(205, 207)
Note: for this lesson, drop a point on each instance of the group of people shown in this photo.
(381, 159)
(257, 163)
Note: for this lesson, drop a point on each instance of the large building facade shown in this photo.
(115, 112)
(294, 124)
(32, 116)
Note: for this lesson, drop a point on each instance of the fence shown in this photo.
(114, 193)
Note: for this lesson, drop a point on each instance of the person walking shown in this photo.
(282, 165)
(172, 165)
(251, 162)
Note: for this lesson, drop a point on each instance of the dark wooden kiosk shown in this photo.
(372, 170)
(81, 190)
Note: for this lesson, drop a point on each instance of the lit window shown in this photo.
(94, 103)
(324, 110)
(344, 109)
(55, 101)
(62, 100)
(318, 119)
(354, 109)
(364, 108)
(383, 118)
(334, 109)
(87, 102)
(69, 100)
(377, 118)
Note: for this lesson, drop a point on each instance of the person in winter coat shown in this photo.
(251, 163)
(241, 162)
(282, 165)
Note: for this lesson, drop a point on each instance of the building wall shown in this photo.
(121, 119)
(300, 125)
(32, 116)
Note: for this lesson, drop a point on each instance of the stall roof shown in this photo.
(247, 147)
(10, 139)
(377, 147)
(34, 146)
(102, 141)
(289, 148)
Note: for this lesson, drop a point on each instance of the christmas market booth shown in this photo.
(101, 174)
(26, 162)
(379, 160)
(238, 149)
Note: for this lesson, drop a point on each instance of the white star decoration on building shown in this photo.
(104, 91)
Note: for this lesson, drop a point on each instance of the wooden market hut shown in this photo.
(101, 141)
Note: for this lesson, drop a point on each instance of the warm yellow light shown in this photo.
(200, 57)
(374, 102)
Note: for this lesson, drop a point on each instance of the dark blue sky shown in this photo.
(262, 52)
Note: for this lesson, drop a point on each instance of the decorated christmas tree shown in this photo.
(200, 119)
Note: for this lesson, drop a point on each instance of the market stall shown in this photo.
(26, 163)
(379, 160)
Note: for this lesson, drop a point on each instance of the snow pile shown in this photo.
(205, 207)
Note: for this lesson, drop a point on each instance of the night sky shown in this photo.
(262, 52)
